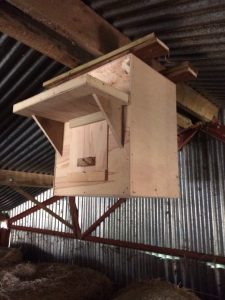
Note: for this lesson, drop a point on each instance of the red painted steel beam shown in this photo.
(215, 130)
(43, 231)
(186, 135)
(156, 249)
(130, 245)
(33, 209)
(74, 216)
(102, 218)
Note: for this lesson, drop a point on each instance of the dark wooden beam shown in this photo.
(9, 178)
(26, 30)
(75, 22)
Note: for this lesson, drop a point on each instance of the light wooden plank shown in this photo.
(53, 130)
(77, 177)
(181, 73)
(153, 137)
(69, 100)
(196, 104)
(145, 48)
(88, 119)
(8, 177)
(183, 121)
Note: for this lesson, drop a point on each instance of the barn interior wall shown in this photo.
(194, 222)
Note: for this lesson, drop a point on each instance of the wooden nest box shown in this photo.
(113, 125)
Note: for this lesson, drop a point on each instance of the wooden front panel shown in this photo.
(153, 135)
(88, 152)
(117, 181)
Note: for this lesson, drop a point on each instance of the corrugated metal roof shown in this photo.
(193, 30)
(23, 147)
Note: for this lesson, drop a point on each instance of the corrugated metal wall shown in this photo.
(195, 222)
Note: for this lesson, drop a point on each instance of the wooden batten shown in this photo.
(181, 73)
(146, 48)
(183, 121)
(88, 119)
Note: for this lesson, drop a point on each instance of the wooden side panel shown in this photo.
(153, 144)
(117, 183)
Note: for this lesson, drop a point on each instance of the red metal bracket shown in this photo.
(213, 129)
(33, 209)
(185, 136)
(102, 218)
(74, 217)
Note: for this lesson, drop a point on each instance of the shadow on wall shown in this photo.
(33, 253)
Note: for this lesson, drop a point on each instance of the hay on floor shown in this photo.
(10, 256)
(53, 281)
(155, 290)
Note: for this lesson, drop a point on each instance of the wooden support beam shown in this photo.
(74, 216)
(181, 73)
(23, 28)
(183, 121)
(194, 103)
(53, 130)
(41, 205)
(9, 178)
(75, 22)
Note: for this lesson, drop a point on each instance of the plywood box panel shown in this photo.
(143, 162)
(153, 140)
